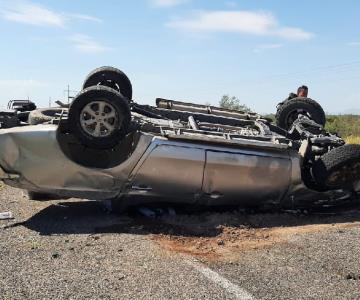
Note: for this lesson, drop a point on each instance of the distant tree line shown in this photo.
(234, 103)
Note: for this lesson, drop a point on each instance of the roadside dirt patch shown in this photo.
(225, 237)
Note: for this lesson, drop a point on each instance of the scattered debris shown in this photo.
(221, 243)
(55, 255)
(34, 245)
(6, 215)
(352, 276)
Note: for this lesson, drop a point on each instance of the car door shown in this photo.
(245, 176)
(171, 171)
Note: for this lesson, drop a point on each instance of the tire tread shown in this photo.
(296, 103)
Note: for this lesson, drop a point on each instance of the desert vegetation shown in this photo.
(346, 126)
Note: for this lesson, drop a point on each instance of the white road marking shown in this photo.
(231, 288)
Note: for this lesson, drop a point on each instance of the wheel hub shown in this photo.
(99, 118)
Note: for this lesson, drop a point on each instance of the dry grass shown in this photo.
(344, 125)
(352, 139)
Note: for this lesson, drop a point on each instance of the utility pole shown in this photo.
(49, 101)
(68, 91)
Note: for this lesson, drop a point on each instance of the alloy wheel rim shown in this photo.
(99, 118)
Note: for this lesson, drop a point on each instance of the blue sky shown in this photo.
(190, 50)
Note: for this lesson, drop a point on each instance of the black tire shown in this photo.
(339, 168)
(112, 100)
(111, 77)
(288, 112)
(44, 115)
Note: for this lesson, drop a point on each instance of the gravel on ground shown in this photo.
(75, 249)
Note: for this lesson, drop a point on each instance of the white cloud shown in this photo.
(87, 44)
(236, 21)
(33, 14)
(263, 47)
(354, 44)
(84, 17)
(36, 14)
(248, 22)
(167, 3)
(292, 33)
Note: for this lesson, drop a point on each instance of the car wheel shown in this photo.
(339, 168)
(44, 115)
(99, 117)
(111, 77)
(289, 111)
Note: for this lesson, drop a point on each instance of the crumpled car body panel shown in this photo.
(34, 154)
(179, 170)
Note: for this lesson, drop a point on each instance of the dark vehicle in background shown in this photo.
(16, 114)
(21, 105)
(107, 146)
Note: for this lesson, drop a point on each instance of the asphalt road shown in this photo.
(76, 250)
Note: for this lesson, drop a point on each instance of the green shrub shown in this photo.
(233, 103)
(344, 125)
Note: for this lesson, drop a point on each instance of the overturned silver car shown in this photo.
(106, 146)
